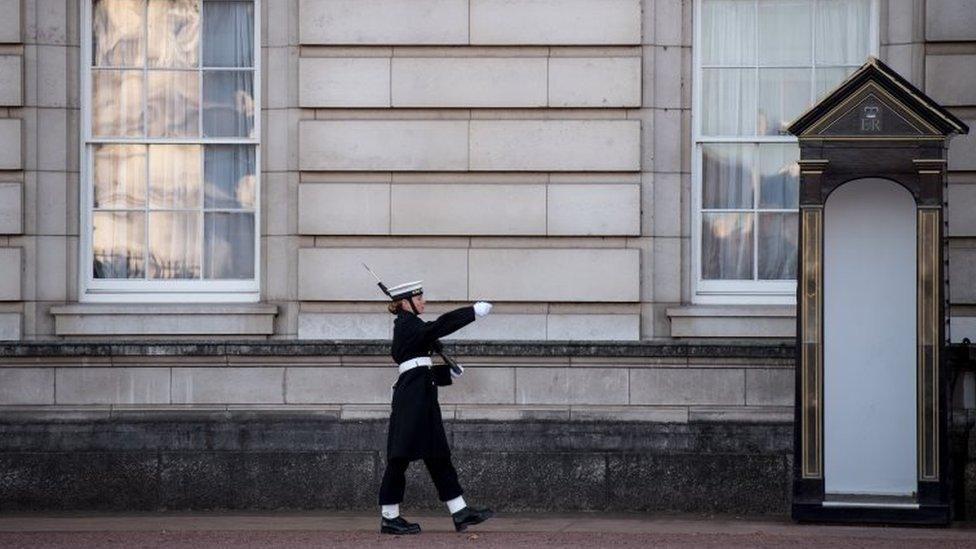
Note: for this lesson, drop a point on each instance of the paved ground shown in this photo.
(245, 530)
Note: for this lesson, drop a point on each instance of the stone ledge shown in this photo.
(249, 319)
(732, 321)
(292, 348)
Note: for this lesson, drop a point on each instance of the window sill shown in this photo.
(248, 319)
(733, 321)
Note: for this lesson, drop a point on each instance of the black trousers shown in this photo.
(441, 472)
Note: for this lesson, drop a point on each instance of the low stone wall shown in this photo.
(267, 460)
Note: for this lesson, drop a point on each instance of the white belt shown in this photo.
(414, 362)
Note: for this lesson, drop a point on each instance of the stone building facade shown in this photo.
(550, 156)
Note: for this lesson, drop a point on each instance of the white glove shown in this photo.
(481, 309)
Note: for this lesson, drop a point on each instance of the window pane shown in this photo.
(229, 173)
(117, 33)
(729, 102)
(728, 32)
(843, 29)
(785, 36)
(779, 176)
(228, 101)
(828, 78)
(777, 246)
(118, 244)
(116, 103)
(174, 33)
(120, 176)
(783, 95)
(174, 104)
(727, 246)
(229, 240)
(174, 245)
(727, 176)
(228, 34)
(174, 176)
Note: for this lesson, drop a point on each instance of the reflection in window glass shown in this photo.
(166, 202)
(174, 176)
(226, 239)
(842, 35)
(174, 33)
(783, 94)
(779, 176)
(117, 33)
(118, 244)
(727, 246)
(228, 40)
(762, 64)
(727, 176)
(119, 176)
(721, 47)
(228, 109)
(173, 104)
(777, 246)
(784, 33)
(229, 173)
(116, 108)
(728, 102)
(174, 245)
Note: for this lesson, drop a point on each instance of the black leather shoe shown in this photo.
(469, 516)
(398, 526)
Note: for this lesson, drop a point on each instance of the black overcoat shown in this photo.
(416, 430)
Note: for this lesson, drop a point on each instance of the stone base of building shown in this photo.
(168, 461)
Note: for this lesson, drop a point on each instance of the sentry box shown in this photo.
(871, 435)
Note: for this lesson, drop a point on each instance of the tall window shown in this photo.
(170, 130)
(758, 65)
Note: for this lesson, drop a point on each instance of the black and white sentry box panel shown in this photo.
(871, 442)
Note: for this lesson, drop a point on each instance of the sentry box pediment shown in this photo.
(871, 423)
(876, 103)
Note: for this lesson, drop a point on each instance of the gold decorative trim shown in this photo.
(928, 327)
(811, 341)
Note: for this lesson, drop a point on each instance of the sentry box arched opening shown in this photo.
(871, 436)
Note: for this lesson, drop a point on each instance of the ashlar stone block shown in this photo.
(508, 274)
(469, 209)
(595, 82)
(26, 386)
(594, 210)
(950, 20)
(949, 79)
(228, 385)
(362, 22)
(336, 274)
(113, 386)
(593, 327)
(343, 208)
(344, 82)
(555, 145)
(10, 144)
(11, 208)
(339, 385)
(383, 145)
(715, 386)
(570, 22)
(10, 29)
(345, 326)
(11, 80)
(10, 274)
(469, 82)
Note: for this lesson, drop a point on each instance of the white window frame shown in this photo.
(160, 291)
(736, 292)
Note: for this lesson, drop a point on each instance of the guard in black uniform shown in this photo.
(416, 430)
